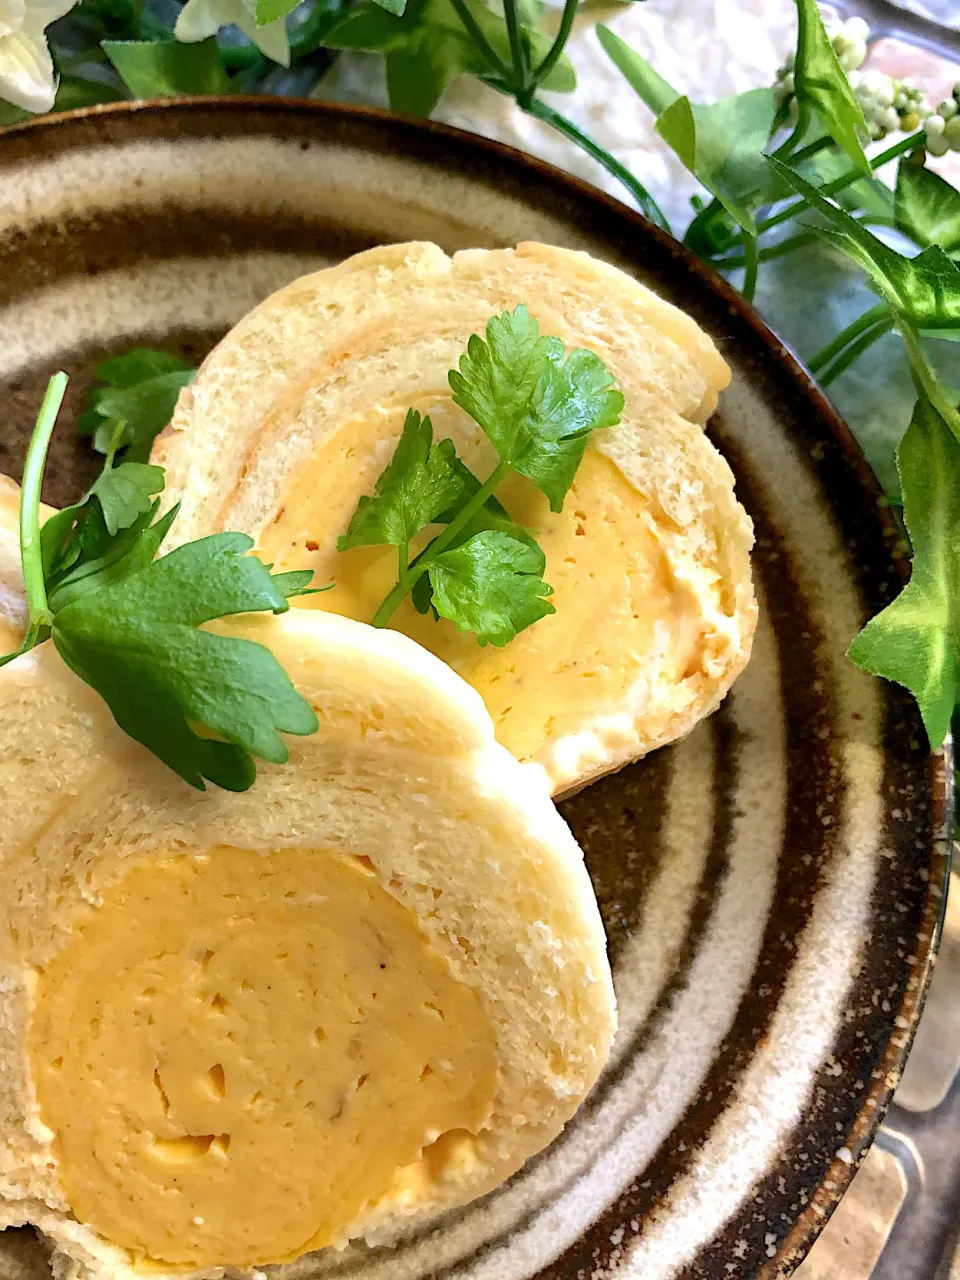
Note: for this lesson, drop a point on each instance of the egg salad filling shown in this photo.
(617, 601)
(240, 1053)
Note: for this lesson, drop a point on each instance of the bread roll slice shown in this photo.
(296, 412)
(238, 1027)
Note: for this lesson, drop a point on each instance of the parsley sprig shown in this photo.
(129, 625)
(538, 408)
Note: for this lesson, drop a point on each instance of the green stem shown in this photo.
(927, 379)
(846, 336)
(409, 574)
(31, 552)
(855, 350)
(845, 180)
(752, 261)
(518, 50)
(787, 149)
(480, 40)
(648, 205)
(814, 149)
(555, 52)
(772, 251)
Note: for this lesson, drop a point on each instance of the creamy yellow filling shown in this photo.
(617, 601)
(238, 1053)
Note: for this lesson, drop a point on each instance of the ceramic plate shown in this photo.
(772, 885)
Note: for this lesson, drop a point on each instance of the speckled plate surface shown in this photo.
(772, 885)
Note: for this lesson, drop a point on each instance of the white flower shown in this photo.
(27, 77)
(202, 18)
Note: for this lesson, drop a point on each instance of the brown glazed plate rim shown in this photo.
(877, 1098)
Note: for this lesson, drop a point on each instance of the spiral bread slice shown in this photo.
(238, 1027)
(296, 412)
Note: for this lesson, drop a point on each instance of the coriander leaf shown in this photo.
(296, 582)
(168, 68)
(140, 394)
(140, 364)
(422, 595)
(925, 289)
(420, 481)
(490, 585)
(927, 208)
(113, 559)
(136, 643)
(125, 492)
(536, 409)
(821, 83)
(916, 640)
(648, 84)
(492, 515)
(723, 145)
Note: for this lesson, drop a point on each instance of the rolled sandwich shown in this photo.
(238, 1027)
(295, 414)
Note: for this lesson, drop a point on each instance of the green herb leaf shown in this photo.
(270, 10)
(396, 7)
(140, 396)
(126, 492)
(296, 582)
(490, 585)
(536, 409)
(421, 480)
(419, 72)
(136, 642)
(168, 68)
(723, 145)
(927, 208)
(866, 195)
(492, 515)
(648, 84)
(916, 640)
(106, 560)
(428, 47)
(821, 83)
(924, 290)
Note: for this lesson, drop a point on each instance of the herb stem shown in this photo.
(31, 553)
(752, 263)
(855, 350)
(844, 180)
(409, 574)
(555, 53)
(925, 378)
(481, 41)
(779, 250)
(814, 149)
(848, 335)
(518, 50)
(648, 206)
(787, 149)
